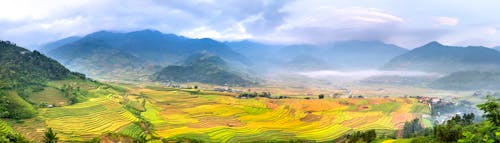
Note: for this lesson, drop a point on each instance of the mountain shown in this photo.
(435, 57)
(202, 67)
(135, 55)
(362, 54)
(344, 55)
(469, 80)
(97, 58)
(53, 45)
(497, 48)
(309, 62)
(24, 73)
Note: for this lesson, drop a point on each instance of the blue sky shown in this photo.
(405, 23)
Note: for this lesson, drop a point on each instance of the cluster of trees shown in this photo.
(461, 129)
(12, 138)
(74, 94)
(360, 136)
(14, 107)
(49, 137)
(254, 95)
(20, 67)
(414, 129)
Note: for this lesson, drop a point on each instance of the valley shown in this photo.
(206, 96)
(156, 112)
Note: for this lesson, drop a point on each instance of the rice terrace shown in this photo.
(210, 116)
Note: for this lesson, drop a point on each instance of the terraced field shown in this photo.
(5, 128)
(178, 114)
(89, 119)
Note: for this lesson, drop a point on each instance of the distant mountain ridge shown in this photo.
(343, 55)
(136, 54)
(56, 44)
(435, 57)
(469, 80)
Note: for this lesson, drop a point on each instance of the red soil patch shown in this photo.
(207, 122)
(399, 119)
(310, 118)
(363, 108)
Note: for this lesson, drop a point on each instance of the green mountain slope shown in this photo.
(20, 67)
(23, 74)
(204, 68)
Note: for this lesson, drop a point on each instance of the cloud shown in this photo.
(445, 21)
(327, 23)
(34, 22)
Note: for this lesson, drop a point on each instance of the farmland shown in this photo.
(177, 114)
(156, 112)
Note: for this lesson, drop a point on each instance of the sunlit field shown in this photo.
(214, 118)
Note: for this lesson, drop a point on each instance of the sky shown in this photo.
(408, 24)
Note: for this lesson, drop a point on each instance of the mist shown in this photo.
(362, 74)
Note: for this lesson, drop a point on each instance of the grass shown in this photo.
(386, 107)
(5, 128)
(421, 108)
(49, 95)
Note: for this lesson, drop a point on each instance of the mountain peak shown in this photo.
(147, 31)
(433, 44)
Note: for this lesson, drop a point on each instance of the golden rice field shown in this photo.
(89, 119)
(214, 118)
(171, 114)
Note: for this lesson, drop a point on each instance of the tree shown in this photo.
(491, 109)
(50, 136)
(321, 96)
(12, 138)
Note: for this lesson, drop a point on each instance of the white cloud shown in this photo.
(445, 21)
(236, 32)
(31, 22)
(326, 23)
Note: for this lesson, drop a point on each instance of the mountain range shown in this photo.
(344, 55)
(133, 55)
(435, 57)
(152, 55)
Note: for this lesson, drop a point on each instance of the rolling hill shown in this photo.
(469, 80)
(435, 57)
(202, 67)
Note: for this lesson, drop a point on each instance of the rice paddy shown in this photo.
(176, 114)
(212, 118)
